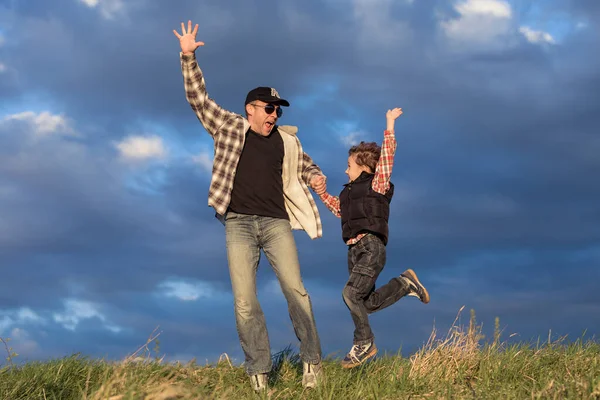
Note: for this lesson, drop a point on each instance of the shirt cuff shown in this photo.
(325, 196)
(187, 57)
(388, 133)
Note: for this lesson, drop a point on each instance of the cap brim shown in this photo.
(282, 102)
(275, 100)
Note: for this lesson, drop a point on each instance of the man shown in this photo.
(259, 188)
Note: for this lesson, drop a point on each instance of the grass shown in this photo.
(458, 365)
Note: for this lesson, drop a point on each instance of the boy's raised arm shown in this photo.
(383, 171)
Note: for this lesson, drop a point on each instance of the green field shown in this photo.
(459, 364)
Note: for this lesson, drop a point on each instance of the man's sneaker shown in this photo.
(259, 382)
(359, 354)
(312, 376)
(416, 288)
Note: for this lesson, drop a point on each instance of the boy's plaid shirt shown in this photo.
(381, 181)
(228, 132)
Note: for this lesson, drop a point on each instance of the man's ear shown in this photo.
(248, 109)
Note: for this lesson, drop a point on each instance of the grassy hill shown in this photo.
(459, 365)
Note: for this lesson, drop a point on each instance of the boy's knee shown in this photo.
(349, 294)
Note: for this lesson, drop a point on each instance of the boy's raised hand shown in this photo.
(391, 116)
(393, 113)
(187, 39)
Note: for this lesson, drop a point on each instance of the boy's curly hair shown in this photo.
(366, 154)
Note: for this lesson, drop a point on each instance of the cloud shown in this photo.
(22, 342)
(348, 133)
(42, 124)
(351, 138)
(495, 8)
(18, 318)
(142, 148)
(109, 9)
(5, 323)
(536, 36)
(186, 291)
(204, 160)
(3, 67)
(378, 27)
(26, 314)
(76, 311)
(482, 22)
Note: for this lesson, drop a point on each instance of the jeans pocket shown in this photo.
(362, 270)
(362, 280)
(231, 215)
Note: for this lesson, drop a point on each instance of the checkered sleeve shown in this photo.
(210, 114)
(383, 171)
(332, 203)
(309, 169)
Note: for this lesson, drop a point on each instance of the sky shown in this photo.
(105, 231)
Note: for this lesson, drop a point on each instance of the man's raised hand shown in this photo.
(187, 39)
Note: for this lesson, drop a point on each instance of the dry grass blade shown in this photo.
(447, 358)
(134, 356)
(225, 357)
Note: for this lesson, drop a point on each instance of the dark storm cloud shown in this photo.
(72, 218)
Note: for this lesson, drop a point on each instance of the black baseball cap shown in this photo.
(266, 94)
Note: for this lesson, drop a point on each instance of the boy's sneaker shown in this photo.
(312, 375)
(259, 382)
(416, 288)
(359, 353)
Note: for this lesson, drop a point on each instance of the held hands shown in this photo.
(187, 39)
(391, 116)
(319, 184)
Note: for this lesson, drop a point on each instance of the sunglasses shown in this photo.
(269, 108)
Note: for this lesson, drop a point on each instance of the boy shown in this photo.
(363, 206)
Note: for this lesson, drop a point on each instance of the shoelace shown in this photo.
(414, 289)
(357, 348)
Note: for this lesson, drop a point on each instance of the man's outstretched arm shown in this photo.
(312, 175)
(210, 114)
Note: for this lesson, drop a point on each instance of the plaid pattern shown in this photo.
(383, 171)
(381, 180)
(228, 132)
(307, 170)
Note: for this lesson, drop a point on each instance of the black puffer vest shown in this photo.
(363, 209)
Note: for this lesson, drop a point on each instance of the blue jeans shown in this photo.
(366, 260)
(245, 236)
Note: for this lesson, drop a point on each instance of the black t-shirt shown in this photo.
(258, 185)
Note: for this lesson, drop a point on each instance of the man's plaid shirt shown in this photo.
(381, 180)
(228, 131)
